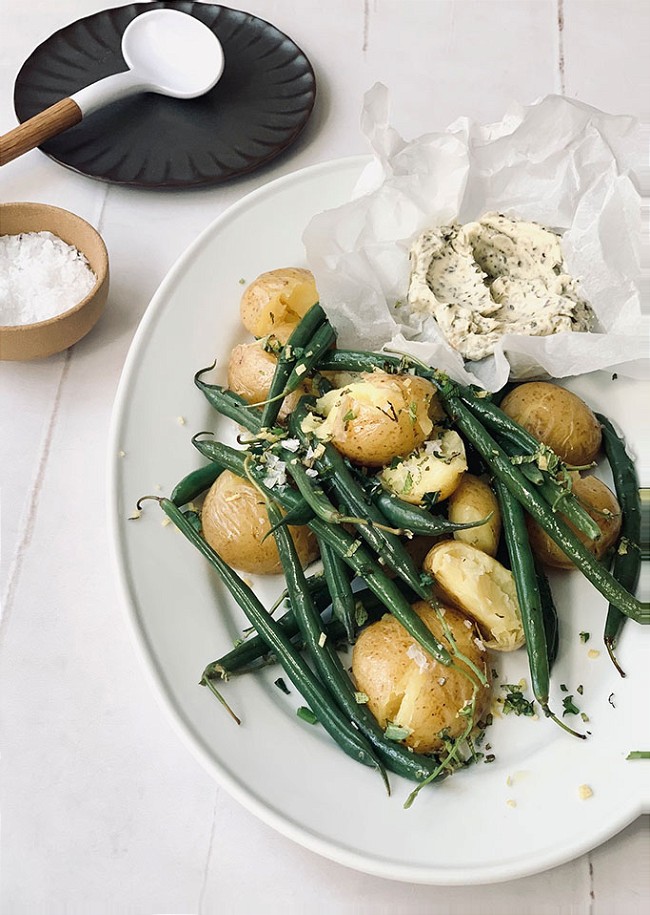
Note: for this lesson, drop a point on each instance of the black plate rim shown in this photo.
(184, 184)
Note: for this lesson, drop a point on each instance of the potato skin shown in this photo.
(597, 499)
(250, 373)
(481, 588)
(379, 417)
(471, 501)
(234, 522)
(558, 418)
(407, 686)
(281, 296)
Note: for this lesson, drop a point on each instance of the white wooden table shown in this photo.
(103, 808)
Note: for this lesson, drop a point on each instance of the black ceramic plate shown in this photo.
(256, 110)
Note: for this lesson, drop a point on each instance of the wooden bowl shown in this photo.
(32, 341)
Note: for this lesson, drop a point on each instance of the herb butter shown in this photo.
(499, 275)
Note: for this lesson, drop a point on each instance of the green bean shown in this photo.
(328, 665)
(296, 669)
(356, 361)
(320, 343)
(193, 518)
(300, 337)
(551, 622)
(627, 559)
(194, 484)
(530, 601)
(299, 514)
(228, 403)
(502, 469)
(415, 519)
(340, 589)
(312, 492)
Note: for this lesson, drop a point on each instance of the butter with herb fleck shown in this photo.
(499, 275)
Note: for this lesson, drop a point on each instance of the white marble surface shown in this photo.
(103, 808)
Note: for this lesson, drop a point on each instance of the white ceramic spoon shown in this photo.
(166, 51)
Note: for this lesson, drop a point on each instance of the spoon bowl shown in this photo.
(176, 53)
(166, 51)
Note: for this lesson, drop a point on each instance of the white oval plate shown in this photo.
(287, 772)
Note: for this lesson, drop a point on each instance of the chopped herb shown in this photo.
(614, 376)
(467, 709)
(242, 281)
(413, 412)
(490, 758)
(360, 698)
(564, 687)
(396, 732)
(580, 689)
(307, 715)
(282, 685)
(515, 702)
(408, 483)
(426, 581)
(584, 636)
(360, 613)
(584, 716)
(351, 550)
(638, 754)
(569, 707)
(349, 416)
(429, 499)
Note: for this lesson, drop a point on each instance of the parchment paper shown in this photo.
(557, 162)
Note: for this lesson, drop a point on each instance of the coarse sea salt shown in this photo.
(40, 277)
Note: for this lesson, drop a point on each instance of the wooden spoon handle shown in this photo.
(41, 127)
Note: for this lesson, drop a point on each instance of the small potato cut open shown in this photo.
(407, 687)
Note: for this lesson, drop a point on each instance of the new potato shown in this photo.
(250, 373)
(556, 417)
(235, 522)
(378, 417)
(599, 502)
(281, 296)
(472, 501)
(407, 687)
